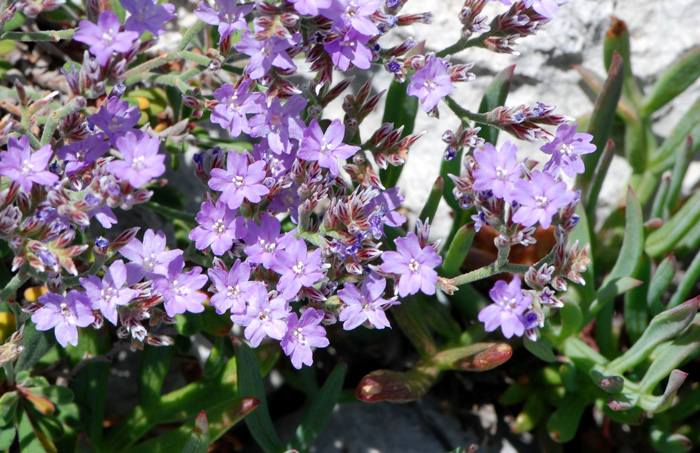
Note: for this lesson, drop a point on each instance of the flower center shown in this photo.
(541, 201)
(298, 268)
(413, 265)
(219, 226)
(299, 336)
(566, 149)
(264, 315)
(239, 180)
(233, 291)
(65, 312)
(108, 293)
(27, 168)
(511, 303)
(501, 173)
(108, 38)
(429, 84)
(139, 163)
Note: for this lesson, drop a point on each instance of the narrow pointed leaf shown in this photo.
(36, 344)
(458, 250)
(660, 281)
(250, 384)
(530, 416)
(563, 423)
(411, 321)
(636, 309)
(661, 403)
(680, 168)
(659, 205)
(665, 238)
(155, 364)
(673, 82)
(662, 327)
(692, 274)
(599, 174)
(199, 439)
(319, 412)
(431, 204)
(540, 350)
(7, 436)
(689, 125)
(632, 248)
(624, 107)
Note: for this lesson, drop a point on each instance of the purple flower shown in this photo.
(23, 166)
(413, 265)
(547, 8)
(234, 104)
(266, 53)
(431, 83)
(180, 290)
(64, 314)
(265, 240)
(105, 37)
(148, 15)
(353, 14)
(232, 287)
(508, 309)
(498, 170)
(303, 334)
(229, 17)
(218, 227)
(310, 7)
(381, 210)
(263, 317)
(280, 123)
(148, 259)
(326, 148)
(80, 154)
(109, 292)
(297, 268)
(540, 199)
(140, 159)
(115, 117)
(366, 304)
(349, 48)
(239, 180)
(565, 148)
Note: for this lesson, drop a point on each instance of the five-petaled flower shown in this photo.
(326, 148)
(498, 170)
(303, 334)
(140, 159)
(105, 37)
(25, 167)
(218, 227)
(109, 292)
(415, 266)
(540, 199)
(239, 181)
(431, 83)
(565, 149)
(365, 304)
(263, 316)
(508, 309)
(297, 267)
(64, 314)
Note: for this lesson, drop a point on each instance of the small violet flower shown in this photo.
(414, 266)
(266, 53)
(79, 155)
(218, 227)
(565, 149)
(326, 148)
(498, 170)
(140, 159)
(25, 167)
(148, 259)
(297, 268)
(353, 14)
(540, 199)
(232, 287)
(105, 37)
(349, 48)
(365, 304)
(280, 123)
(239, 180)
(310, 7)
(234, 104)
(431, 83)
(148, 15)
(64, 314)
(229, 18)
(303, 334)
(265, 240)
(507, 311)
(115, 118)
(180, 290)
(107, 293)
(263, 317)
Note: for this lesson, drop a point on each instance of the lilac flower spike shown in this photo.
(180, 290)
(365, 304)
(232, 288)
(431, 83)
(414, 266)
(498, 170)
(228, 18)
(234, 104)
(507, 311)
(108, 293)
(23, 166)
(297, 268)
(326, 148)
(565, 149)
(239, 180)
(303, 334)
(218, 227)
(148, 15)
(64, 314)
(263, 317)
(540, 199)
(148, 259)
(105, 37)
(140, 159)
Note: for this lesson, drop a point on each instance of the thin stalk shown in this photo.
(488, 271)
(190, 34)
(19, 279)
(133, 74)
(48, 35)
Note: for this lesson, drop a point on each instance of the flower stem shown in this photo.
(135, 74)
(189, 34)
(464, 113)
(48, 35)
(19, 279)
(461, 45)
(488, 271)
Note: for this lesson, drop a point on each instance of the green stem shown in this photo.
(488, 271)
(461, 45)
(9, 373)
(49, 35)
(75, 105)
(464, 113)
(19, 279)
(189, 34)
(135, 74)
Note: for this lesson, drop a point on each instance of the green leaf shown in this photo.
(636, 309)
(689, 125)
(116, 7)
(664, 441)
(457, 253)
(530, 416)
(632, 249)
(673, 82)
(7, 436)
(318, 413)
(540, 350)
(396, 386)
(662, 240)
(617, 40)
(660, 281)
(36, 344)
(438, 317)
(90, 390)
(662, 327)
(188, 323)
(495, 96)
(155, 365)
(601, 171)
(680, 168)
(661, 403)
(571, 320)
(55, 393)
(250, 384)
(431, 204)
(199, 438)
(563, 423)
(413, 324)
(658, 207)
(692, 274)
(31, 440)
(8, 407)
(604, 111)
(400, 110)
